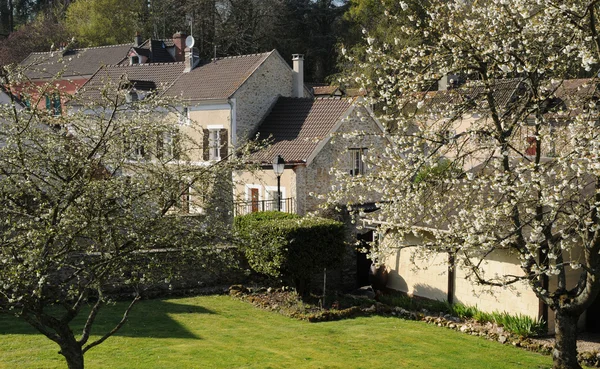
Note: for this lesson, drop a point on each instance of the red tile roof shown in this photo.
(296, 126)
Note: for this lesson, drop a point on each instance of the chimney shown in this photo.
(137, 40)
(448, 82)
(179, 41)
(298, 75)
(192, 59)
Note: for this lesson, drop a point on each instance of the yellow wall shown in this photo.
(263, 180)
(200, 118)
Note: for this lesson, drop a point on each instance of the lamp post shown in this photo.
(278, 167)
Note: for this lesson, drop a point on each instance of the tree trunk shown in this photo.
(565, 347)
(73, 354)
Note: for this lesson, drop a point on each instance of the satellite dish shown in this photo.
(189, 41)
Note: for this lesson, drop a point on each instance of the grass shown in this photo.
(219, 332)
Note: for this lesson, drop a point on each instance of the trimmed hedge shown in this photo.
(289, 247)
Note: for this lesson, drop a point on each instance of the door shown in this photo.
(254, 199)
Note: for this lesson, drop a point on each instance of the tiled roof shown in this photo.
(325, 90)
(218, 79)
(75, 62)
(504, 93)
(297, 125)
(142, 76)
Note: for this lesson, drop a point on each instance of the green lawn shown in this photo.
(219, 332)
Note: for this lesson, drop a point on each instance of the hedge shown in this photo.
(289, 247)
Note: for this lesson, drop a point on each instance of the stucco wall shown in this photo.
(256, 96)
(264, 180)
(204, 117)
(428, 277)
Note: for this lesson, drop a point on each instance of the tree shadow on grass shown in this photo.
(148, 318)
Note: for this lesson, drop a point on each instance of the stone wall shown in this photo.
(256, 96)
(316, 179)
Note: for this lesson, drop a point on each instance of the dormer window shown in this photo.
(134, 59)
(131, 96)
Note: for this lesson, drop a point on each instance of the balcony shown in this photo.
(288, 205)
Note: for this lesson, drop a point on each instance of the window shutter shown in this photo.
(48, 103)
(205, 143)
(224, 144)
(159, 145)
(175, 145)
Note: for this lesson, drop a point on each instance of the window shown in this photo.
(357, 165)
(53, 104)
(184, 117)
(134, 60)
(214, 144)
(273, 196)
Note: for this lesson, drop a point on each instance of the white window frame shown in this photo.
(268, 196)
(214, 143)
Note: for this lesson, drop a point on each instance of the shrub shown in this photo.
(290, 247)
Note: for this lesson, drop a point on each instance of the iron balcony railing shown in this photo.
(288, 205)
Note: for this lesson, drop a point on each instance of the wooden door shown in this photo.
(254, 198)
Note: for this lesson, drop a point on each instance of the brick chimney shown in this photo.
(298, 75)
(179, 41)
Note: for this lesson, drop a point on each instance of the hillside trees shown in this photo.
(104, 22)
(519, 139)
(90, 204)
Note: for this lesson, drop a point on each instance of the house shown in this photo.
(220, 102)
(51, 77)
(310, 135)
(439, 275)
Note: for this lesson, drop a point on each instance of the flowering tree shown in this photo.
(90, 201)
(503, 154)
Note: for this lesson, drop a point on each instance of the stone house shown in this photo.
(312, 135)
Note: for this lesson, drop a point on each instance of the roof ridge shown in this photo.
(239, 56)
(78, 49)
(143, 64)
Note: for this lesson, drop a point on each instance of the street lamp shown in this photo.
(278, 167)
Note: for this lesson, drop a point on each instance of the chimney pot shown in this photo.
(298, 75)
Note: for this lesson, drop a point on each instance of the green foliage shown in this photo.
(520, 324)
(441, 170)
(104, 22)
(463, 311)
(290, 247)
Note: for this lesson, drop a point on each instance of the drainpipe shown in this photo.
(233, 127)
